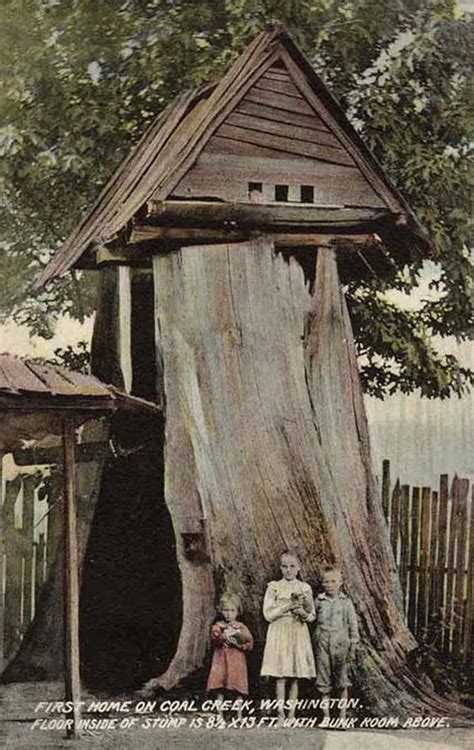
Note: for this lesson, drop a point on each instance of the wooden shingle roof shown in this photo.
(27, 386)
(175, 140)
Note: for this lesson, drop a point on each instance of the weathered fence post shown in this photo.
(27, 539)
(453, 523)
(414, 534)
(461, 547)
(2, 551)
(432, 562)
(423, 579)
(394, 519)
(467, 647)
(13, 572)
(404, 540)
(441, 563)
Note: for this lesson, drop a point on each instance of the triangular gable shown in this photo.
(274, 137)
(190, 129)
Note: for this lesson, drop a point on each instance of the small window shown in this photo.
(307, 194)
(281, 193)
(256, 192)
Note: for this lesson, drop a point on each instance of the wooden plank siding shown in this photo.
(432, 536)
(273, 123)
(227, 167)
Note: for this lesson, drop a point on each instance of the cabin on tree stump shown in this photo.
(222, 243)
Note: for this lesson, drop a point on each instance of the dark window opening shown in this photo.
(281, 193)
(307, 194)
(255, 187)
(256, 192)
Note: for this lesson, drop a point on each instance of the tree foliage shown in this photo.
(80, 80)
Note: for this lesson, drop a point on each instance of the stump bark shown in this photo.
(267, 448)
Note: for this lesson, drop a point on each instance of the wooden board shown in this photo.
(423, 585)
(453, 529)
(441, 554)
(282, 129)
(394, 518)
(461, 550)
(281, 101)
(286, 144)
(296, 119)
(432, 561)
(415, 529)
(404, 539)
(227, 176)
(467, 645)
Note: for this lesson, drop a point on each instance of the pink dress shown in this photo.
(229, 666)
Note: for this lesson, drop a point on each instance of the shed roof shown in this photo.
(28, 386)
(174, 141)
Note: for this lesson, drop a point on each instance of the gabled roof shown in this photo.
(175, 140)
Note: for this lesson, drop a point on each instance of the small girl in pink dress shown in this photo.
(230, 640)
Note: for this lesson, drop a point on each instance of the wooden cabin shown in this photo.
(221, 242)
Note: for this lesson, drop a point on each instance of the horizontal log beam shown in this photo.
(85, 453)
(182, 236)
(257, 216)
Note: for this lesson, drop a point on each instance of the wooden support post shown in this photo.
(2, 593)
(28, 531)
(124, 329)
(55, 520)
(13, 571)
(71, 581)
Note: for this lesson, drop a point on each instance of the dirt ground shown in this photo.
(17, 716)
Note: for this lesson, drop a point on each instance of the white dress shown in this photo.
(288, 650)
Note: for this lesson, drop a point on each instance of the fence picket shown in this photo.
(432, 562)
(441, 563)
(404, 539)
(467, 646)
(453, 522)
(461, 545)
(394, 519)
(414, 541)
(423, 580)
(27, 540)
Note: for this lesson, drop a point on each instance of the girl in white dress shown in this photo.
(288, 656)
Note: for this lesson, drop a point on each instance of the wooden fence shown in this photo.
(432, 536)
(26, 555)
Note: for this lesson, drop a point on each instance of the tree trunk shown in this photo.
(267, 448)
